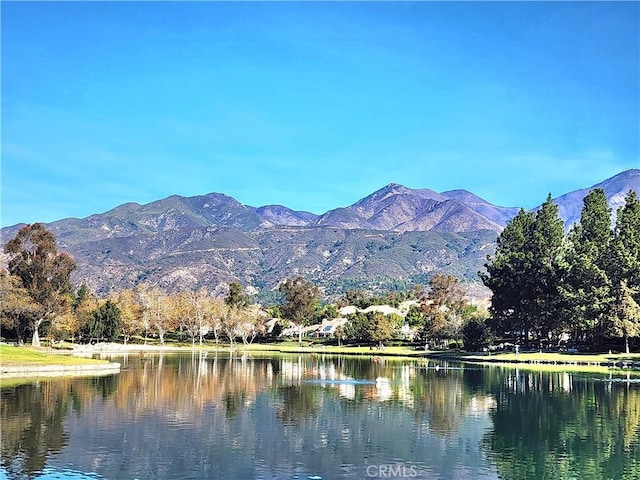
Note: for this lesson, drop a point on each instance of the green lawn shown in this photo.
(15, 356)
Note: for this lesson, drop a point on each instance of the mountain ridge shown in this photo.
(396, 235)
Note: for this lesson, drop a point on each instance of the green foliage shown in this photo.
(545, 249)
(372, 327)
(356, 327)
(104, 322)
(381, 327)
(625, 315)
(236, 296)
(506, 275)
(17, 310)
(300, 298)
(80, 295)
(524, 273)
(586, 289)
(545, 283)
(624, 255)
(475, 335)
(415, 317)
(443, 307)
(356, 297)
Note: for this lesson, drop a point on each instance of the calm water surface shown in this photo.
(225, 416)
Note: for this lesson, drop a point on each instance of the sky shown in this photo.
(311, 105)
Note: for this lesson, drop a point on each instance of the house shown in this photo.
(328, 327)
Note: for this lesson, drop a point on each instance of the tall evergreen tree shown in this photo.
(545, 248)
(586, 290)
(104, 322)
(506, 276)
(624, 254)
(236, 296)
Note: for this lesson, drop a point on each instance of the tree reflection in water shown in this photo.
(561, 425)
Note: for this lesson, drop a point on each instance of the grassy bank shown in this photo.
(293, 347)
(597, 364)
(561, 361)
(576, 362)
(11, 356)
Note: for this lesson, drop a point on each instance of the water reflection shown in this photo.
(237, 416)
(564, 426)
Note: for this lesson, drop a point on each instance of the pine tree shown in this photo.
(586, 290)
(545, 248)
(624, 255)
(506, 276)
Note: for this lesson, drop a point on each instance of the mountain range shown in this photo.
(393, 238)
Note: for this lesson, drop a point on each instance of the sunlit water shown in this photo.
(225, 416)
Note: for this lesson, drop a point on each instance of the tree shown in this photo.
(414, 316)
(443, 307)
(144, 298)
(250, 327)
(300, 296)
(215, 311)
(104, 322)
(193, 313)
(371, 327)
(236, 296)
(232, 319)
(381, 327)
(17, 309)
(586, 289)
(356, 327)
(506, 276)
(625, 315)
(84, 304)
(624, 254)
(44, 272)
(545, 248)
(475, 334)
(159, 318)
(525, 272)
(357, 297)
(131, 314)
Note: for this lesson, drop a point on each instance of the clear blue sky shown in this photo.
(312, 105)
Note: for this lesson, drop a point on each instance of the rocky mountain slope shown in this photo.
(392, 238)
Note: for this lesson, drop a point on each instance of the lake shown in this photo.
(230, 416)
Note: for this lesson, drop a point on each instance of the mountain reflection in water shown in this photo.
(228, 416)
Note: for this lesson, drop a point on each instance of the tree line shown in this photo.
(581, 288)
(549, 288)
(37, 294)
(39, 298)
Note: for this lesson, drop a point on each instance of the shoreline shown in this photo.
(573, 362)
(624, 364)
(26, 371)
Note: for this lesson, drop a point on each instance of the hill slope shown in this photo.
(392, 238)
